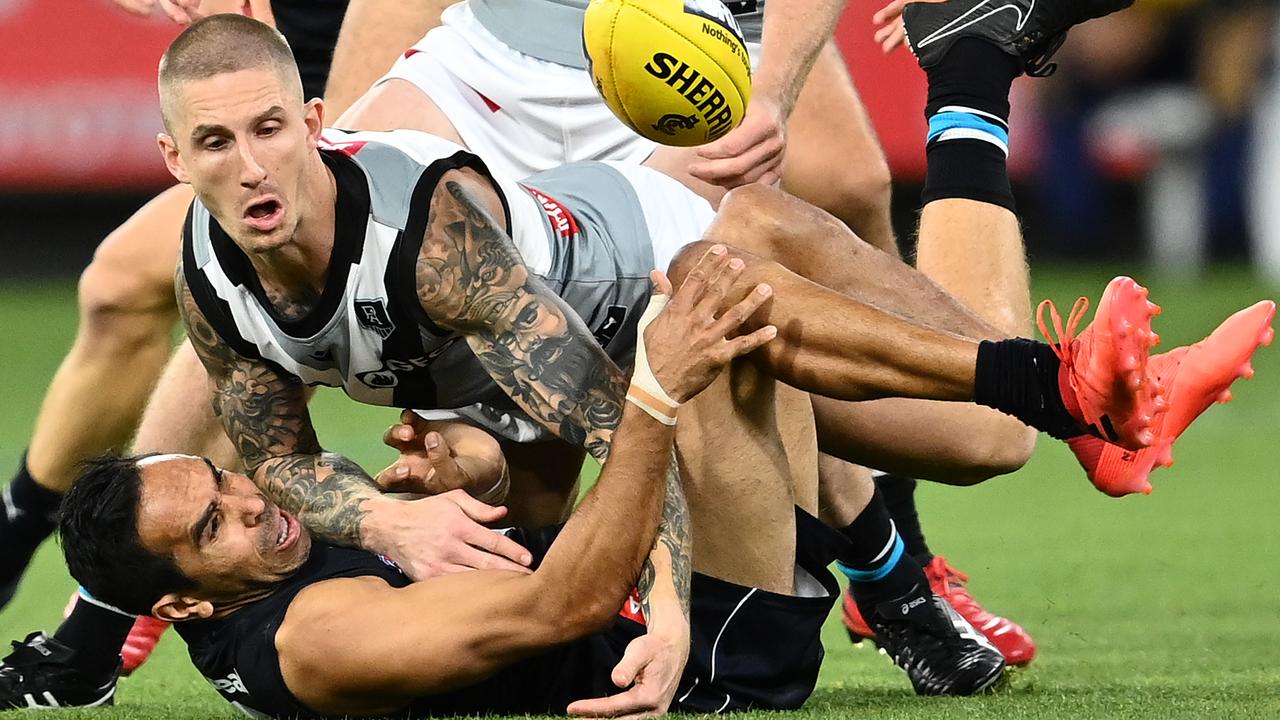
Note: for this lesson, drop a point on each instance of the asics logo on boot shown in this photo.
(908, 606)
(967, 20)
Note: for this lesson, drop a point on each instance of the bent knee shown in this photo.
(117, 296)
(1002, 447)
(859, 194)
(686, 258)
(758, 209)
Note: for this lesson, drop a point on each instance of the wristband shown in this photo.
(645, 391)
(498, 492)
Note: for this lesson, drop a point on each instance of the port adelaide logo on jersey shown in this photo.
(373, 315)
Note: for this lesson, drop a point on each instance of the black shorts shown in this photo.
(750, 648)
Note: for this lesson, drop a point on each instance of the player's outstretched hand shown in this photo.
(751, 152)
(443, 534)
(650, 671)
(426, 464)
(697, 333)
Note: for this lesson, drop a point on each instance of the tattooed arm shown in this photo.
(472, 279)
(264, 412)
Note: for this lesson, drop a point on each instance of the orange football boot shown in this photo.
(948, 583)
(1103, 378)
(1193, 378)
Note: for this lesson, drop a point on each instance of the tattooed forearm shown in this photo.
(674, 534)
(471, 278)
(327, 491)
(264, 413)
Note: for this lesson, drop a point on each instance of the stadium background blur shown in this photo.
(1155, 151)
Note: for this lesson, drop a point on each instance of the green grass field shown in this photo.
(1147, 607)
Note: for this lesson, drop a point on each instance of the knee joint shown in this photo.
(115, 301)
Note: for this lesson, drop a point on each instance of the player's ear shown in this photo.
(172, 160)
(175, 607)
(313, 116)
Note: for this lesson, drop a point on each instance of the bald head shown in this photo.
(224, 43)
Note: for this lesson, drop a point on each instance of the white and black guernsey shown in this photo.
(368, 333)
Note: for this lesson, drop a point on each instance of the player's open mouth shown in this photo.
(288, 532)
(265, 214)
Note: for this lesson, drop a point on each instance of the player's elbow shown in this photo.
(594, 612)
(572, 610)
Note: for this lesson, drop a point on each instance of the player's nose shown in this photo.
(253, 508)
(252, 172)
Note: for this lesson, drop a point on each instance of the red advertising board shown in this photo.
(78, 103)
(891, 86)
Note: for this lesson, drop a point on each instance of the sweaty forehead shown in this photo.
(175, 490)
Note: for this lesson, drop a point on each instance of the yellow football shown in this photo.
(675, 71)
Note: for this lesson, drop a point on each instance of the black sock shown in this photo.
(96, 632)
(975, 74)
(900, 498)
(876, 563)
(27, 517)
(1019, 377)
(968, 112)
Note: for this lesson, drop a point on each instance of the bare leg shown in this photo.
(843, 492)
(179, 416)
(819, 247)
(747, 457)
(127, 312)
(953, 232)
(374, 33)
(833, 158)
(835, 344)
(544, 482)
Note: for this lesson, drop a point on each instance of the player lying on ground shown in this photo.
(309, 265)
(205, 548)
(856, 133)
(498, 84)
(741, 233)
(126, 311)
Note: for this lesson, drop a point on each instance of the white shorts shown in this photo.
(520, 114)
